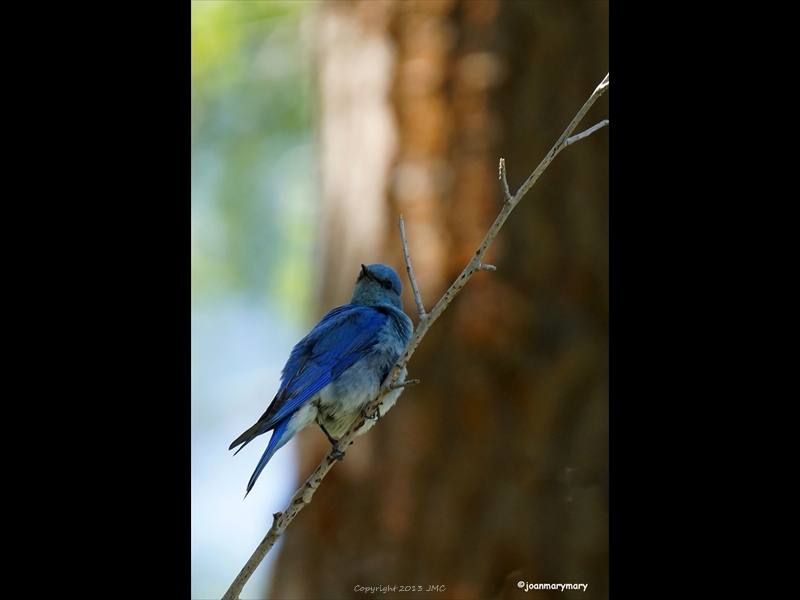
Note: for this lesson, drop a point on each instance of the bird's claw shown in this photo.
(336, 453)
(377, 413)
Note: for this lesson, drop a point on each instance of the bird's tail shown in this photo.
(246, 437)
(280, 435)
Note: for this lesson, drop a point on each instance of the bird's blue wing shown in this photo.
(333, 346)
(343, 336)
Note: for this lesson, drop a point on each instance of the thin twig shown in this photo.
(417, 298)
(304, 494)
(586, 133)
(401, 384)
(504, 182)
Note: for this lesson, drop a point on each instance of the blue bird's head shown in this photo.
(377, 285)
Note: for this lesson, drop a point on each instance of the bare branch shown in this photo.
(417, 298)
(304, 494)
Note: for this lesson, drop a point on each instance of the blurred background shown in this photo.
(314, 125)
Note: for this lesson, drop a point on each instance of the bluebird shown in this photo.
(336, 370)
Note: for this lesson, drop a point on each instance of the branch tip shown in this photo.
(504, 181)
(397, 385)
(409, 270)
(586, 133)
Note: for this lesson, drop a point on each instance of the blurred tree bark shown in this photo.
(495, 469)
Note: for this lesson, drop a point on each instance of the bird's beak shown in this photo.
(365, 272)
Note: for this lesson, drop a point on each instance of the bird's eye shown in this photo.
(387, 285)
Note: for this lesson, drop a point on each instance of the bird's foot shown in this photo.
(377, 413)
(336, 453)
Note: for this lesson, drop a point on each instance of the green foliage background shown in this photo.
(253, 159)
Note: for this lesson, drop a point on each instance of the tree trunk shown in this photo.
(494, 470)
